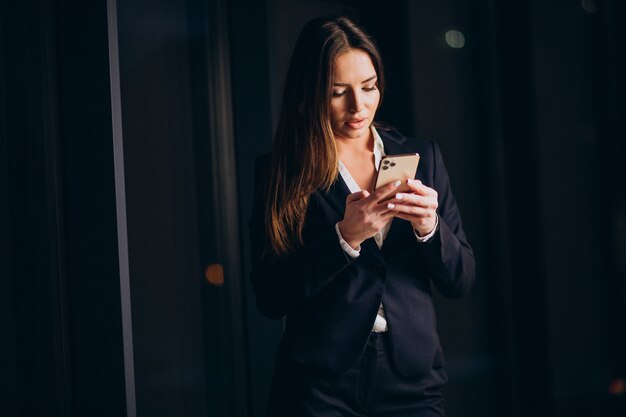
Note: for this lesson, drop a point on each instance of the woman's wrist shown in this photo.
(426, 229)
(354, 243)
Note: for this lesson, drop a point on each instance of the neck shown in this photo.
(347, 146)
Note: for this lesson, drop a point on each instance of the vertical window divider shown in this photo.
(120, 203)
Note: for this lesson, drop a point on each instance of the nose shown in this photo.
(356, 103)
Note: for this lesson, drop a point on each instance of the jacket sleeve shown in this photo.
(282, 283)
(449, 257)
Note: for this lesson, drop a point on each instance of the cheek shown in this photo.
(336, 113)
(374, 100)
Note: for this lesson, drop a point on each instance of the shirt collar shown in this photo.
(379, 147)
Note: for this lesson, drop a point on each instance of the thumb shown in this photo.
(359, 195)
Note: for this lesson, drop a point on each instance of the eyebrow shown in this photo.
(362, 82)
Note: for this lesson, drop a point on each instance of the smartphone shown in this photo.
(397, 167)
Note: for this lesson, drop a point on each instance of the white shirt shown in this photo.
(380, 325)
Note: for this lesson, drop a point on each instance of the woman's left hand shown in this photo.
(419, 207)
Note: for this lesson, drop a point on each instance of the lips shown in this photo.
(356, 123)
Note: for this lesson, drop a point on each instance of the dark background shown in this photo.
(128, 132)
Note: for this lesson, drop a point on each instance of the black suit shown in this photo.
(331, 300)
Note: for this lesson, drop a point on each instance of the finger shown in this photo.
(424, 226)
(409, 218)
(418, 187)
(359, 195)
(403, 216)
(415, 199)
(384, 192)
(414, 211)
(387, 211)
(379, 209)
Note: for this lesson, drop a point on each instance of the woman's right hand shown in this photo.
(366, 214)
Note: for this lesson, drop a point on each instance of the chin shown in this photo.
(354, 134)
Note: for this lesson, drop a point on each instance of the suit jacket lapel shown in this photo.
(336, 196)
(393, 142)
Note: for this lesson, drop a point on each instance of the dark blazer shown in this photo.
(331, 300)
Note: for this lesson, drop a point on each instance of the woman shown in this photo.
(349, 266)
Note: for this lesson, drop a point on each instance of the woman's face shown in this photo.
(355, 95)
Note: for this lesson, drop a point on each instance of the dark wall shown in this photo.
(185, 331)
(580, 195)
(88, 233)
(67, 201)
(161, 211)
(60, 292)
(252, 119)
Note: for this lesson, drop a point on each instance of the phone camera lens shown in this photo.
(386, 167)
(393, 164)
(385, 162)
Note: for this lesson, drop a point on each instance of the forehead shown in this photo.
(353, 66)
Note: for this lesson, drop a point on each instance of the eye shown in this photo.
(339, 93)
(372, 88)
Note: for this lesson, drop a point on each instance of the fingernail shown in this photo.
(409, 181)
(390, 205)
(397, 183)
(399, 196)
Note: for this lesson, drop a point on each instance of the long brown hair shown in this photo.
(304, 154)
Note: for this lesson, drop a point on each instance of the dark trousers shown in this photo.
(370, 388)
